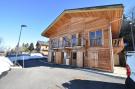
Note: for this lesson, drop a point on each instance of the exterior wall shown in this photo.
(45, 52)
(44, 49)
(49, 56)
(94, 57)
(116, 60)
(80, 59)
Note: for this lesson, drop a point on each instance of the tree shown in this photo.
(125, 33)
(38, 47)
(31, 47)
(25, 47)
(126, 29)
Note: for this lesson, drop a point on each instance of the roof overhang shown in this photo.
(110, 12)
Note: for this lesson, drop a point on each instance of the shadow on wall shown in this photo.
(86, 84)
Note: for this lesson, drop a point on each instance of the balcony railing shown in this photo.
(117, 42)
(70, 43)
(118, 45)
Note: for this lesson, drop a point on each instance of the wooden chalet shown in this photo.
(86, 37)
(42, 47)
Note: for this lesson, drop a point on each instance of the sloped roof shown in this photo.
(85, 9)
(43, 43)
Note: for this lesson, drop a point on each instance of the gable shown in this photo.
(109, 12)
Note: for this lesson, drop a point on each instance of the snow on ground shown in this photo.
(27, 56)
(5, 64)
(36, 55)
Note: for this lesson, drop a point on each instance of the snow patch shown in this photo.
(5, 64)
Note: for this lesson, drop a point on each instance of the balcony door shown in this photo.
(74, 40)
(60, 42)
(65, 41)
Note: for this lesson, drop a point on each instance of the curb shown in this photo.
(103, 73)
(97, 72)
(16, 67)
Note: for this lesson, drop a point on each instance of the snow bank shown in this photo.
(36, 55)
(5, 64)
(19, 57)
(27, 56)
(7, 60)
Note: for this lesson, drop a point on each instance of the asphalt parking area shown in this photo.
(50, 76)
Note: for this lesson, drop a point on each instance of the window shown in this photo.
(95, 38)
(54, 43)
(64, 41)
(74, 40)
(92, 38)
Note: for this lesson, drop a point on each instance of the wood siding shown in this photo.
(80, 23)
(94, 57)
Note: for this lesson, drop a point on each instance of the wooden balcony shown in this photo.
(118, 45)
(69, 44)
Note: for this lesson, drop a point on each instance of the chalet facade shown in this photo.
(42, 47)
(86, 37)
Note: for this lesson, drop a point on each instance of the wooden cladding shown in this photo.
(70, 38)
(118, 45)
(100, 59)
(87, 16)
(104, 61)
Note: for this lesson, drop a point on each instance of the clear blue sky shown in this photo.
(37, 15)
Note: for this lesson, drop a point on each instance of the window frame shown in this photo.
(72, 40)
(95, 41)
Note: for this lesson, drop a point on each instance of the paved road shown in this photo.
(49, 76)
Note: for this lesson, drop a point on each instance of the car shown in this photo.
(130, 66)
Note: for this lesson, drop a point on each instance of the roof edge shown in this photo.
(85, 8)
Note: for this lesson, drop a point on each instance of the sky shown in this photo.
(37, 15)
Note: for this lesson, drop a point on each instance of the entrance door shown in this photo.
(53, 57)
(58, 58)
(64, 59)
(74, 57)
(80, 59)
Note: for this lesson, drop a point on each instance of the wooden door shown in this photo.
(62, 57)
(53, 57)
(93, 59)
(58, 58)
(74, 58)
(80, 59)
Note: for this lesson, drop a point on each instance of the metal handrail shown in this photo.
(68, 43)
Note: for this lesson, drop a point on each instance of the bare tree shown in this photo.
(131, 14)
(132, 23)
